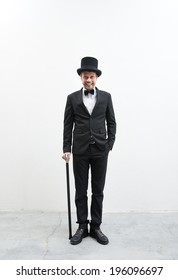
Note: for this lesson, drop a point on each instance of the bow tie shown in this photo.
(86, 92)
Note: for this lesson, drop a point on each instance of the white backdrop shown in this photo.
(42, 43)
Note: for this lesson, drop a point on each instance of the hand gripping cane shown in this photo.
(68, 197)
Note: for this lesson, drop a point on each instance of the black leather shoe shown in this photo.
(78, 236)
(99, 236)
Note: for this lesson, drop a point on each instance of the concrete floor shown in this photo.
(44, 236)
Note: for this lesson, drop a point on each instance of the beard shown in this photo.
(89, 86)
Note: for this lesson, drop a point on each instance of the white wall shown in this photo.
(42, 43)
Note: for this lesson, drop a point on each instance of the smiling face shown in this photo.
(88, 79)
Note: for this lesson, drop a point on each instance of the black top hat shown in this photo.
(89, 64)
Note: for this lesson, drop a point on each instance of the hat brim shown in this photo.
(97, 71)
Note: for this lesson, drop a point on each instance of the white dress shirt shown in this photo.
(89, 100)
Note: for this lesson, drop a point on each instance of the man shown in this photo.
(89, 127)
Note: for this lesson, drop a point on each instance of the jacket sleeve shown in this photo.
(68, 126)
(111, 123)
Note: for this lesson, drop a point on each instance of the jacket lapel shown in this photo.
(81, 101)
(97, 100)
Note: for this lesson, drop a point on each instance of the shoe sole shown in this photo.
(78, 242)
(98, 240)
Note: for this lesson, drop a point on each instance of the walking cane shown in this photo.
(68, 197)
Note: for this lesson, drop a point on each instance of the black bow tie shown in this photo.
(86, 92)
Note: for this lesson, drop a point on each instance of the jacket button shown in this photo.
(92, 141)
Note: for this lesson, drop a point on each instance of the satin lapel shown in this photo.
(81, 100)
(97, 100)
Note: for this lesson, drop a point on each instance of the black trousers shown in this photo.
(81, 165)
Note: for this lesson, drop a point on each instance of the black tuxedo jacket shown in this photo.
(80, 126)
